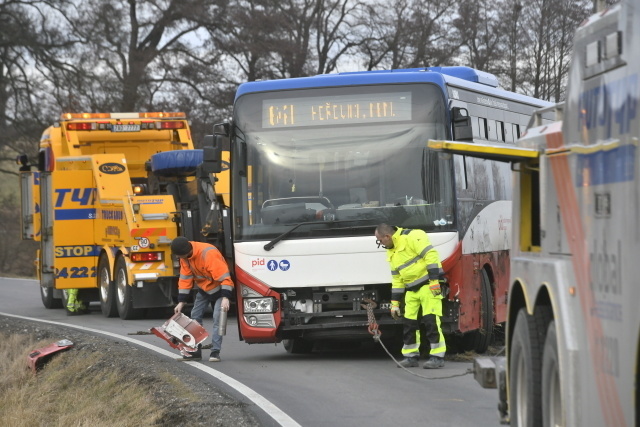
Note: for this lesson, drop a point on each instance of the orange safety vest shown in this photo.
(207, 269)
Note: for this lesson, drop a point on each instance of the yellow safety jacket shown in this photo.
(414, 262)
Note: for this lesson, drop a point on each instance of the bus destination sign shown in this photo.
(335, 110)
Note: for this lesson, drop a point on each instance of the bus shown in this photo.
(318, 162)
(573, 324)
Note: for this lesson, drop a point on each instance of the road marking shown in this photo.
(272, 410)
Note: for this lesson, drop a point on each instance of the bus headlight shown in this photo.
(259, 305)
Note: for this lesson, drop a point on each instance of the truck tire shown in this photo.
(525, 367)
(107, 289)
(124, 292)
(552, 405)
(65, 298)
(47, 298)
(297, 346)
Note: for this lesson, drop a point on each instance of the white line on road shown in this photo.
(272, 410)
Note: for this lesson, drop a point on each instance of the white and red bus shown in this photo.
(318, 162)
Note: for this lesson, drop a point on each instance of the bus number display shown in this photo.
(340, 109)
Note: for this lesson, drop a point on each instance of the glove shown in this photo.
(395, 310)
(434, 286)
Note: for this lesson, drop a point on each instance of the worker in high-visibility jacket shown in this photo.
(202, 265)
(415, 272)
(75, 305)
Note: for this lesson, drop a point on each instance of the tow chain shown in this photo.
(375, 331)
(373, 325)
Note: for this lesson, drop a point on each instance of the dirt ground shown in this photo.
(215, 409)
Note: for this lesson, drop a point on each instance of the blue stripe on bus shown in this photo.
(65, 214)
(606, 166)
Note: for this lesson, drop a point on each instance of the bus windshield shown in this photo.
(341, 159)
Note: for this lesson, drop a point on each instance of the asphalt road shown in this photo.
(331, 387)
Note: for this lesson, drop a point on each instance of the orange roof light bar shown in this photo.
(71, 116)
(162, 115)
(149, 115)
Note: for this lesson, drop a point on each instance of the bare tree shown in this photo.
(479, 26)
(548, 26)
(510, 17)
(411, 33)
(386, 41)
(337, 32)
(435, 41)
(29, 43)
(248, 37)
(569, 16)
(294, 36)
(121, 46)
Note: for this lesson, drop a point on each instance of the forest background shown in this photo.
(59, 56)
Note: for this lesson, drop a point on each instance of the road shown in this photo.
(331, 387)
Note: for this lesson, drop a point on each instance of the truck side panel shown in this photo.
(74, 213)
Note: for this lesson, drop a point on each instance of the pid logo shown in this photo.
(272, 264)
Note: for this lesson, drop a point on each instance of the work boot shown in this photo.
(195, 356)
(409, 362)
(215, 356)
(434, 362)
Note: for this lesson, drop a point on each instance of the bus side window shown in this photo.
(492, 129)
(508, 133)
(501, 135)
(482, 127)
(476, 128)
(516, 131)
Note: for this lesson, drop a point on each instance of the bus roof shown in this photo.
(463, 77)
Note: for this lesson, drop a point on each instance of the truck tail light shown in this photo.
(146, 256)
(170, 125)
(81, 126)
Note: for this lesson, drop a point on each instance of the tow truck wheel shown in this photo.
(107, 289)
(297, 346)
(124, 293)
(47, 298)
(525, 367)
(552, 413)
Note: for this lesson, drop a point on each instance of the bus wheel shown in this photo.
(297, 346)
(480, 339)
(107, 289)
(47, 298)
(552, 413)
(124, 292)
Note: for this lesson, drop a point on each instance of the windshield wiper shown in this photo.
(272, 243)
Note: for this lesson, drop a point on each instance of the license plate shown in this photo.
(125, 128)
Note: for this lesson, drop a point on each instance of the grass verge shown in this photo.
(74, 389)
